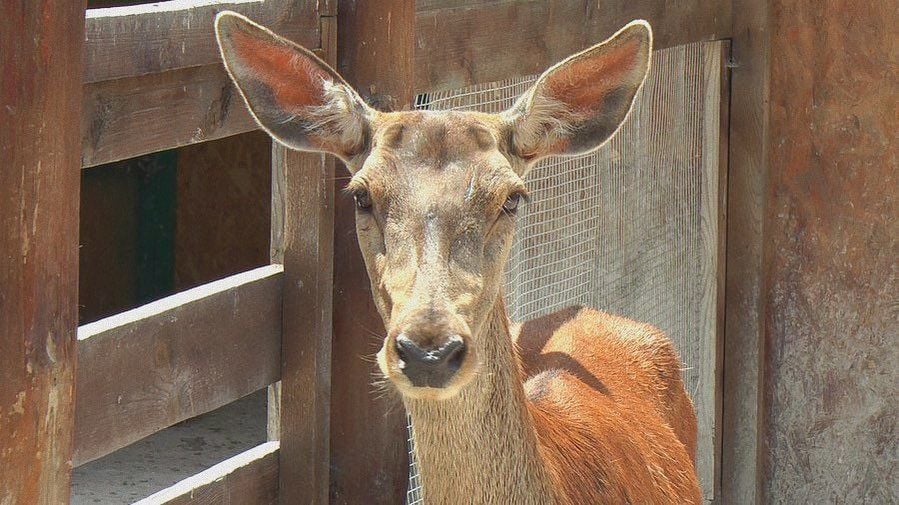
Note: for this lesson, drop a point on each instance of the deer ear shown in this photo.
(576, 105)
(296, 97)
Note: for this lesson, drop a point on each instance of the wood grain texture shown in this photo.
(148, 368)
(250, 478)
(140, 115)
(278, 187)
(153, 38)
(471, 42)
(308, 203)
(40, 52)
(713, 223)
(276, 256)
(832, 242)
(368, 435)
(742, 408)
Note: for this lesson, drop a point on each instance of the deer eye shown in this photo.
(363, 199)
(511, 204)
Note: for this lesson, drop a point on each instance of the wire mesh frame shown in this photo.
(620, 229)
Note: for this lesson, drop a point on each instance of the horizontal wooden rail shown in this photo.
(251, 477)
(130, 117)
(152, 38)
(143, 370)
(465, 42)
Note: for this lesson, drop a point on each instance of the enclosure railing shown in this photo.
(152, 81)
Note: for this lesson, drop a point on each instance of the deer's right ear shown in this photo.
(296, 97)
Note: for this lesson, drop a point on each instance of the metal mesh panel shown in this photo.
(625, 229)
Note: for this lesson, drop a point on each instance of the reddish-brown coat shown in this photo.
(608, 405)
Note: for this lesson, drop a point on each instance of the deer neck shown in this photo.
(480, 446)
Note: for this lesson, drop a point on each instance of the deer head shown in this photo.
(435, 192)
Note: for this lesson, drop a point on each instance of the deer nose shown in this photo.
(430, 366)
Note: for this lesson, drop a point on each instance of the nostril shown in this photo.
(454, 353)
(429, 366)
(406, 348)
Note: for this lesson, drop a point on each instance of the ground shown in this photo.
(158, 461)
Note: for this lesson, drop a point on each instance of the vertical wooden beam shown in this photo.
(328, 50)
(303, 240)
(369, 462)
(299, 412)
(40, 98)
(306, 336)
(716, 83)
(741, 442)
(831, 319)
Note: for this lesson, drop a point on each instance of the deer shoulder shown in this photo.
(609, 390)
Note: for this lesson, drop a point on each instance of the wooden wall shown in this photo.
(223, 219)
(832, 243)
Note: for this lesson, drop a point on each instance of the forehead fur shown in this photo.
(439, 136)
(454, 160)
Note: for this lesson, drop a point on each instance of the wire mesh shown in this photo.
(621, 229)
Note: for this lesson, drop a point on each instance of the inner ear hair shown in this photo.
(291, 93)
(579, 103)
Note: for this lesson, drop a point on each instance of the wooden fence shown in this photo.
(151, 80)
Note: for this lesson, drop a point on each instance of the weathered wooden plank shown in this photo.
(251, 477)
(130, 117)
(480, 42)
(276, 255)
(40, 49)
(157, 37)
(742, 407)
(715, 85)
(148, 368)
(831, 254)
(430, 5)
(327, 8)
(306, 345)
(140, 115)
(368, 434)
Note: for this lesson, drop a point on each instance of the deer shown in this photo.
(576, 407)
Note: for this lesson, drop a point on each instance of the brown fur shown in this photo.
(617, 385)
(586, 408)
(574, 408)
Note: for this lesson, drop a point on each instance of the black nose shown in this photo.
(430, 366)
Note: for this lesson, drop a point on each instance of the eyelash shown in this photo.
(362, 199)
(513, 202)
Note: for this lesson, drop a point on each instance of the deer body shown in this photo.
(578, 407)
(579, 426)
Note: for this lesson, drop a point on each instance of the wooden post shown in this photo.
(302, 239)
(306, 334)
(369, 463)
(741, 441)
(40, 109)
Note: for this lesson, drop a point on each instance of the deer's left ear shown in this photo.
(575, 106)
